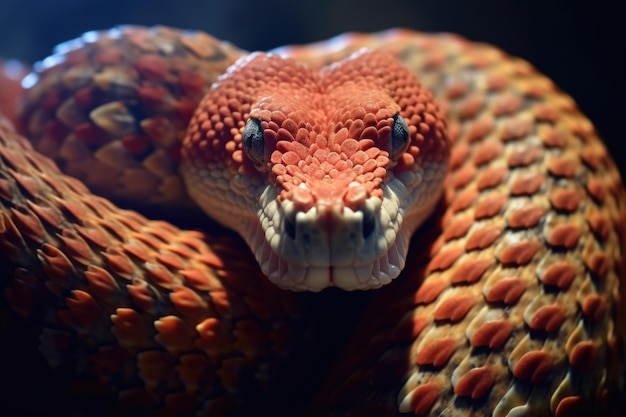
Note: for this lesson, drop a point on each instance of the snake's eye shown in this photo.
(399, 137)
(253, 141)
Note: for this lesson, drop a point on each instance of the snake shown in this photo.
(395, 223)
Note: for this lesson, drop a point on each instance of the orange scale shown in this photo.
(476, 383)
(553, 138)
(479, 129)
(546, 113)
(491, 177)
(463, 176)
(429, 291)
(534, 366)
(174, 334)
(436, 353)
(592, 157)
(454, 89)
(130, 328)
(406, 162)
(102, 284)
(454, 308)
(464, 200)
(562, 167)
(369, 165)
(523, 156)
(458, 155)
(49, 215)
(141, 296)
(147, 239)
(458, 228)
(506, 104)
(584, 355)
(221, 302)
(470, 271)
(119, 263)
(565, 199)
(520, 253)
(159, 275)
(548, 318)
(73, 208)
(598, 264)
(170, 260)
(516, 129)
(359, 157)
(76, 247)
(278, 169)
(560, 274)
(527, 183)
(471, 106)
(83, 310)
(370, 132)
(492, 334)
(573, 406)
(564, 235)
(373, 152)
(487, 152)
(444, 259)
(506, 290)
(526, 216)
(594, 306)
(597, 189)
(423, 398)
(138, 251)
(496, 82)
(600, 224)
(288, 158)
(489, 206)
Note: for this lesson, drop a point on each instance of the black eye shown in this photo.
(399, 137)
(253, 141)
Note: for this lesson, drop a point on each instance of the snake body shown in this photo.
(511, 300)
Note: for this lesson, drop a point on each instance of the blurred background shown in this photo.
(581, 45)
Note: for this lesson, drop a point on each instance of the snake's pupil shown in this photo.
(253, 141)
(399, 136)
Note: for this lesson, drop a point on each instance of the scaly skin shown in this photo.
(511, 302)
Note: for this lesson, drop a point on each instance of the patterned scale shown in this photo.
(510, 303)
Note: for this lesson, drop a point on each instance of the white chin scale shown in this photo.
(329, 245)
(295, 277)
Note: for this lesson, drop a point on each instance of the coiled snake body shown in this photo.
(511, 302)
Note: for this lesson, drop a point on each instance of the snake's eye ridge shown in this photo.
(399, 137)
(253, 141)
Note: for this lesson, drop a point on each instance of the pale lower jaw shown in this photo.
(291, 276)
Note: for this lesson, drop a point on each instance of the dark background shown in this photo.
(581, 45)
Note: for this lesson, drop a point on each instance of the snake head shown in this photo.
(326, 174)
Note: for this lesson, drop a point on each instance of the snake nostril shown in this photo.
(290, 227)
(368, 224)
